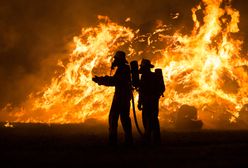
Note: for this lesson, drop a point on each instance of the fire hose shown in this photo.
(135, 117)
(135, 84)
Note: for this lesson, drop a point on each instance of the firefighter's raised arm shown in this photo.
(122, 74)
(104, 80)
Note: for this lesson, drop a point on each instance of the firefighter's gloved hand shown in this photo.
(96, 79)
(140, 106)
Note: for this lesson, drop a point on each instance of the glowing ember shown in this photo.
(8, 125)
(204, 69)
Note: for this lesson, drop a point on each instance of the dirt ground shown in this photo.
(39, 145)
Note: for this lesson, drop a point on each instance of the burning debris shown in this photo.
(201, 69)
(175, 15)
(8, 125)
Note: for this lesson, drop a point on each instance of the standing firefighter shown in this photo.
(121, 101)
(151, 87)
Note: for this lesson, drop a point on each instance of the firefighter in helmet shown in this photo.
(121, 80)
(149, 101)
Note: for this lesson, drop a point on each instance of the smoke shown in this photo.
(35, 34)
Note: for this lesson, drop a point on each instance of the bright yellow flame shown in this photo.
(8, 125)
(73, 94)
(204, 69)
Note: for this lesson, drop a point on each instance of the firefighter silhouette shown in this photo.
(121, 80)
(151, 87)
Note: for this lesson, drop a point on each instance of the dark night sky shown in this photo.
(35, 33)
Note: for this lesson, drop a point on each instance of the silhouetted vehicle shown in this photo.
(121, 101)
(151, 87)
(187, 118)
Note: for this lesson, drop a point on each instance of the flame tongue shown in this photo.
(203, 69)
(73, 96)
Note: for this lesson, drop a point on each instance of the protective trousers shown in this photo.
(150, 120)
(122, 109)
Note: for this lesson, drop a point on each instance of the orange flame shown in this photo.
(204, 69)
(73, 94)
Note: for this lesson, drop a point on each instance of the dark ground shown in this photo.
(29, 145)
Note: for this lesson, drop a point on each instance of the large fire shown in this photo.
(204, 69)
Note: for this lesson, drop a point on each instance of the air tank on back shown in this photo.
(135, 74)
